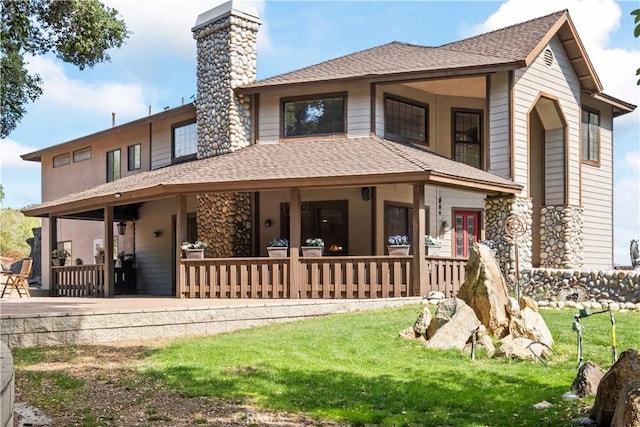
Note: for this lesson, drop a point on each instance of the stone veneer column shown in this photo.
(561, 243)
(226, 39)
(497, 210)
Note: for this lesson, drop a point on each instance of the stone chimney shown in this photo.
(226, 38)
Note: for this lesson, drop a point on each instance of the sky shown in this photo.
(156, 69)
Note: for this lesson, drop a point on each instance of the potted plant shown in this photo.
(398, 245)
(432, 246)
(313, 247)
(194, 250)
(99, 256)
(278, 248)
(59, 257)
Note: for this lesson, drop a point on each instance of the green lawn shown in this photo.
(354, 369)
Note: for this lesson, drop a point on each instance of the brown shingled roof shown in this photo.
(311, 163)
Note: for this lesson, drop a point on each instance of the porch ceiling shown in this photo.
(344, 162)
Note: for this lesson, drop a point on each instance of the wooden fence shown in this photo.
(78, 281)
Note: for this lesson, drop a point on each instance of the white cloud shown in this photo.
(103, 98)
(632, 158)
(11, 151)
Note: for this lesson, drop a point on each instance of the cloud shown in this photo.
(11, 151)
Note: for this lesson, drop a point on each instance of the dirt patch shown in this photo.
(102, 386)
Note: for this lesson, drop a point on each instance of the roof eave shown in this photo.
(619, 106)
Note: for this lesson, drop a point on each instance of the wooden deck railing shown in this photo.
(78, 281)
(445, 275)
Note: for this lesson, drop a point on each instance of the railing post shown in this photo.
(294, 244)
(418, 267)
(109, 272)
(181, 236)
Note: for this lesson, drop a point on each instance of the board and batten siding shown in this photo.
(499, 138)
(358, 108)
(554, 166)
(597, 195)
(560, 82)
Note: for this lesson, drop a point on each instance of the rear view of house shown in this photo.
(446, 142)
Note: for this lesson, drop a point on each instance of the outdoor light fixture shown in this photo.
(122, 227)
(267, 223)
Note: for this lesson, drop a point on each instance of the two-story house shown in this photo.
(448, 141)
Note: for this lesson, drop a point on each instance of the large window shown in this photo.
(398, 220)
(325, 219)
(113, 165)
(467, 137)
(133, 157)
(61, 160)
(185, 141)
(405, 120)
(590, 136)
(314, 116)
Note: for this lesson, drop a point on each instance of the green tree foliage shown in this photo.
(15, 229)
(636, 33)
(77, 31)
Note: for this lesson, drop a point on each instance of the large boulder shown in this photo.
(587, 381)
(530, 324)
(485, 290)
(520, 348)
(452, 325)
(625, 370)
(627, 413)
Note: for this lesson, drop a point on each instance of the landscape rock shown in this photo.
(520, 348)
(485, 290)
(483, 341)
(530, 324)
(422, 322)
(410, 334)
(627, 412)
(435, 295)
(587, 381)
(513, 307)
(528, 302)
(625, 370)
(455, 332)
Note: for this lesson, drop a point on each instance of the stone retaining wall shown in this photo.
(47, 330)
(6, 386)
(601, 287)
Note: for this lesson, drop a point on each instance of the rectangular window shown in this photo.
(405, 121)
(113, 165)
(61, 160)
(590, 136)
(467, 138)
(133, 157)
(398, 220)
(314, 116)
(82, 154)
(185, 141)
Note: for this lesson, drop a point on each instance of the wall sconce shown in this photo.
(122, 228)
(366, 193)
(157, 233)
(267, 223)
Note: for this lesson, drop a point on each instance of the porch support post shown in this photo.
(294, 243)
(181, 236)
(53, 244)
(109, 272)
(418, 267)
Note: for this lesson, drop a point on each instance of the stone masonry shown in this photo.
(561, 237)
(226, 39)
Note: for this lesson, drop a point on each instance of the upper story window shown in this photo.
(61, 160)
(134, 157)
(319, 115)
(467, 137)
(185, 141)
(113, 165)
(82, 154)
(590, 137)
(405, 120)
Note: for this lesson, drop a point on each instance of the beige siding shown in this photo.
(499, 138)
(558, 81)
(554, 167)
(597, 196)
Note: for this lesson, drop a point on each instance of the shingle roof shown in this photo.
(509, 46)
(278, 165)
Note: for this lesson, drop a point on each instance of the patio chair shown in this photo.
(19, 281)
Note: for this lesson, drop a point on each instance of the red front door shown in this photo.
(466, 231)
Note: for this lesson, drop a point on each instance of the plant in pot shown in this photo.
(99, 256)
(278, 248)
(398, 245)
(432, 246)
(59, 257)
(194, 250)
(313, 247)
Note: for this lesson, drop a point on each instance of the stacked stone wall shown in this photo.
(597, 288)
(224, 222)
(561, 238)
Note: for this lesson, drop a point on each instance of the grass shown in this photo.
(354, 369)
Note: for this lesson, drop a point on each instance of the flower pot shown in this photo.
(312, 251)
(194, 253)
(99, 259)
(277, 251)
(432, 250)
(58, 262)
(398, 250)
